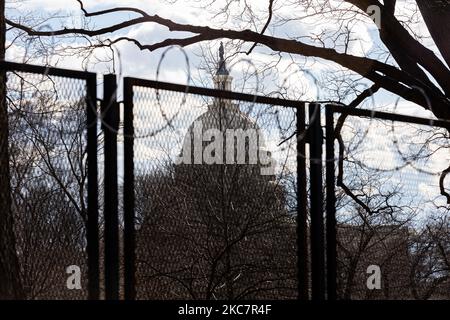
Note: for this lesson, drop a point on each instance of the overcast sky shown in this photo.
(130, 61)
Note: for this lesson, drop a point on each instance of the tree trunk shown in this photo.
(10, 287)
(436, 14)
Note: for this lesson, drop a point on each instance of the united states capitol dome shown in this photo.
(224, 121)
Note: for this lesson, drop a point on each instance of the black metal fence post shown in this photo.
(302, 213)
(330, 206)
(92, 189)
(315, 136)
(128, 193)
(110, 125)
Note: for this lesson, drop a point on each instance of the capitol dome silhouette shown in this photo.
(224, 118)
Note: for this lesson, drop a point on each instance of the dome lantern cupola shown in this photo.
(222, 79)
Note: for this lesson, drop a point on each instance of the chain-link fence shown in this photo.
(47, 117)
(213, 191)
(392, 208)
(215, 197)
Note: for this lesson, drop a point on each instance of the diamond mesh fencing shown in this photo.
(215, 197)
(392, 209)
(48, 176)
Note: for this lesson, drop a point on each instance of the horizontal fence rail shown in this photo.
(187, 89)
(388, 116)
(44, 70)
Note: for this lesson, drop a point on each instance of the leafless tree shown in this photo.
(430, 269)
(407, 79)
(48, 180)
